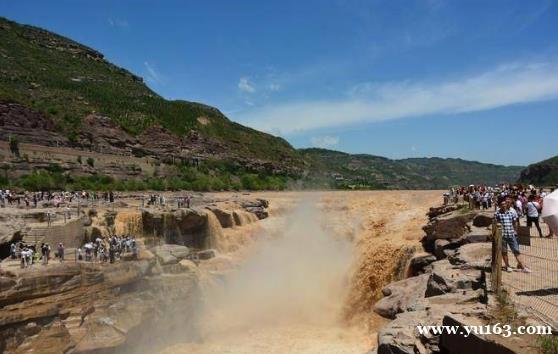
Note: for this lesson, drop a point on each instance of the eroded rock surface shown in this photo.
(89, 307)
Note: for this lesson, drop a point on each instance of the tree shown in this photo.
(14, 145)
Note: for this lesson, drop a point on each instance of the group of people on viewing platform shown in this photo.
(512, 204)
(161, 200)
(32, 254)
(110, 250)
(56, 199)
(9, 198)
(100, 250)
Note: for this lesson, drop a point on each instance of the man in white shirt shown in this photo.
(533, 209)
(518, 206)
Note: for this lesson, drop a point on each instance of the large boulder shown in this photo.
(439, 248)
(182, 226)
(444, 209)
(449, 226)
(473, 255)
(189, 267)
(260, 212)
(483, 219)
(401, 336)
(480, 343)
(477, 234)
(206, 254)
(170, 254)
(257, 207)
(225, 217)
(57, 278)
(447, 278)
(420, 263)
(401, 296)
(446, 248)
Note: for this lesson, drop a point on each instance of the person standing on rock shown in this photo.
(60, 252)
(43, 253)
(533, 209)
(48, 249)
(518, 206)
(509, 222)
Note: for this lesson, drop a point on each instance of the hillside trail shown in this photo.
(303, 280)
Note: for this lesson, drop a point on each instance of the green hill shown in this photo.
(543, 173)
(343, 170)
(67, 81)
(64, 100)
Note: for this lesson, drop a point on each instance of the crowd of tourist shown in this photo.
(161, 200)
(512, 204)
(100, 250)
(110, 250)
(29, 254)
(65, 198)
(56, 199)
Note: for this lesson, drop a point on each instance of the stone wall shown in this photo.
(71, 234)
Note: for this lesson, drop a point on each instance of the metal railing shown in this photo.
(537, 291)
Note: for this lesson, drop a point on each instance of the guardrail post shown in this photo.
(496, 258)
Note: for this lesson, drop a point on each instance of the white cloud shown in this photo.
(116, 22)
(373, 102)
(274, 87)
(152, 75)
(245, 85)
(325, 141)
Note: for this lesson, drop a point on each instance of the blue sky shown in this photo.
(470, 79)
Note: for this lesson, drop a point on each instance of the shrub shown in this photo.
(14, 145)
(548, 344)
(91, 161)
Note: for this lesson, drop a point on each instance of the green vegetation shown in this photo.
(14, 145)
(188, 179)
(360, 171)
(548, 344)
(544, 173)
(505, 311)
(67, 81)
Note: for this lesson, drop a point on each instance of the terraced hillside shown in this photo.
(71, 87)
(71, 119)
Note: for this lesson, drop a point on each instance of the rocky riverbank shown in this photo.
(447, 286)
(89, 307)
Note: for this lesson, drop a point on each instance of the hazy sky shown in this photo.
(470, 79)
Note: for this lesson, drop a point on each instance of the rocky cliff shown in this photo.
(543, 173)
(93, 307)
(133, 305)
(447, 286)
(58, 93)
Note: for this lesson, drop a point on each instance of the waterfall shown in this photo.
(128, 223)
(214, 232)
(242, 217)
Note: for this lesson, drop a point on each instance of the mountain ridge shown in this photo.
(102, 119)
(364, 171)
(544, 172)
